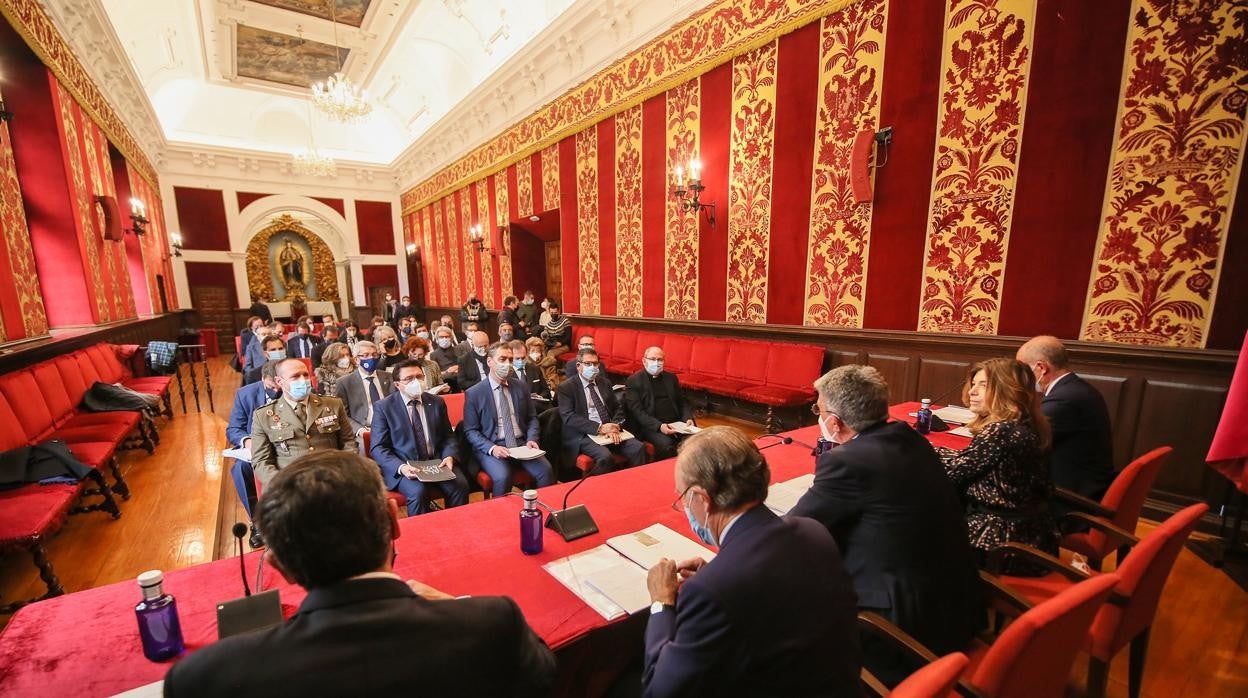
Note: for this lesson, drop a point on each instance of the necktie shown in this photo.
(422, 441)
(301, 412)
(504, 416)
(597, 400)
(374, 393)
(307, 348)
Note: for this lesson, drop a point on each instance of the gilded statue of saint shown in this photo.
(292, 265)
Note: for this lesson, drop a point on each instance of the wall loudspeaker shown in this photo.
(112, 218)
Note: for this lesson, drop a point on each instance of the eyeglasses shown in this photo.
(680, 499)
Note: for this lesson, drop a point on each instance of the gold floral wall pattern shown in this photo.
(680, 283)
(260, 265)
(628, 251)
(1174, 174)
(587, 219)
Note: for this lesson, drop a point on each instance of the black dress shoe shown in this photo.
(256, 540)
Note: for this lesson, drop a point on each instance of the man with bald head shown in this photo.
(472, 365)
(654, 401)
(1082, 456)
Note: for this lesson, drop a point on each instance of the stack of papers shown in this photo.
(525, 453)
(438, 389)
(684, 428)
(962, 431)
(611, 578)
(243, 454)
(955, 414)
(783, 496)
(625, 435)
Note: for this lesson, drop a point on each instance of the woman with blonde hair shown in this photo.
(336, 362)
(391, 349)
(1003, 475)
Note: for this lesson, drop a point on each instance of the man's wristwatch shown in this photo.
(658, 607)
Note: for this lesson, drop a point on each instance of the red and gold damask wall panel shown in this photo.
(680, 292)
(551, 179)
(454, 255)
(1071, 107)
(447, 274)
(797, 68)
(562, 158)
(985, 69)
(523, 173)
(474, 281)
(114, 272)
(851, 63)
(486, 260)
(749, 188)
(630, 260)
(655, 180)
(502, 208)
(606, 217)
(586, 222)
(714, 145)
(431, 255)
(21, 306)
(1175, 170)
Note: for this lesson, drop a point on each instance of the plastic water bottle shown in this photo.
(923, 422)
(158, 619)
(530, 525)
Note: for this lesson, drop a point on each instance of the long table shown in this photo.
(87, 643)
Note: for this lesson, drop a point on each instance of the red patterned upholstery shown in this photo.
(1034, 654)
(934, 680)
(1125, 497)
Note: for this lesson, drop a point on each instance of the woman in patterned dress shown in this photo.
(336, 362)
(1003, 475)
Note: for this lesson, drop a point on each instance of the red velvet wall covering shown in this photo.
(134, 246)
(378, 275)
(21, 306)
(201, 215)
(213, 274)
(372, 219)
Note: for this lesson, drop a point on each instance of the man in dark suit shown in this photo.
(588, 408)
(773, 613)
(271, 347)
(473, 366)
(409, 425)
(653, 400)
(305, 345)
(390, 310)
(585, 342)
(508, 316)
(527, 370)
(255, 327)
(247, 400)
(1082, 455)
(363, 387)
(896, 518)
(498, 416)
(361, 630)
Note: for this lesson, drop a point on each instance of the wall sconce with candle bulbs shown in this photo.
(138, 217)
(175, 242)
(411, 248)
(688, 191)
(476, 235)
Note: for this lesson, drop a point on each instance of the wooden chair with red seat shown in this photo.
(1120, 506)
(1128, 617)
(1033, 655)
(584, 463)
(367, 440)
(455, 412)
(934, 680)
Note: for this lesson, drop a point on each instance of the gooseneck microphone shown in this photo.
(783, 441)
(575, 522)
(240, 532)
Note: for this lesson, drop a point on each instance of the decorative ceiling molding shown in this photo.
(245, 170)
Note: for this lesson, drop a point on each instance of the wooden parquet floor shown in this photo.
(183, 507)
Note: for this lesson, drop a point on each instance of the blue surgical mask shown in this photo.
(275, 354)
(299, 388)
(654, 367)
(702, 531)
(589, 372)
(519, 364)
(504, 336)
(444, 342)
(369, 365)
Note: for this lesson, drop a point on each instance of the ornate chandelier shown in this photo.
(311, 162)
(337, 97)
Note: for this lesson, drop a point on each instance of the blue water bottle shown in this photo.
(923, 421)
(158, 619)
(530, 525)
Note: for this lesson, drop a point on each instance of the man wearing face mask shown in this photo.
(528, 371)
(508, 316)
(585, 342)
(389, 310)
(406, 310)
(506, 332)
(474, 310)
(473, 366)
(588, 408)
(247, 400)
(305, 345)
(653, 400)
(444, 355)
(449, 324)
(773, 613)
(499, 416)
(528, 315)
(465, 347)
(271, 348)
(896, 518)
(362, 388)
(557, 331)
(412, 425)
(297, 423)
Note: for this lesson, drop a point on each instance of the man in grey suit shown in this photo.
(359, 389)
(297, 423)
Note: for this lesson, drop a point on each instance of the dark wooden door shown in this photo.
(377, 297)
(554, 271)
(215, 305)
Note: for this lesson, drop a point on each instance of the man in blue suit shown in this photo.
(410, 425)
(247, 400)
(498, 415)
(773, 613)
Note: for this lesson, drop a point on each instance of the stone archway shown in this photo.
(259, 277)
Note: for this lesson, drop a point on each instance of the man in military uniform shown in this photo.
(296, 424)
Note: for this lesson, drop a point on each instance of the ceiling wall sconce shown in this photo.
(5, 114)
(476, 236)
(688, 191)
(138, 218)
(175, 242)
(411, 249)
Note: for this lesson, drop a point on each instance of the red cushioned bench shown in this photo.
(775, 374)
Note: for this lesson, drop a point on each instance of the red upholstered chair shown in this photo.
(790, 376)
(934, 680)
(396, 497)
(745, 367)
(454, 408)
(706, 362)
(584, 463)
(1128, 617)
(1120, 506)
(1033, 656)
(679, 351)
(29, 515)
(604, 341)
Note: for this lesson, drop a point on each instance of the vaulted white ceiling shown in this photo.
(229, 76)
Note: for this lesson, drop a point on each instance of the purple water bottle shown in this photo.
(923, 420)
(530, 525)
(158, 619)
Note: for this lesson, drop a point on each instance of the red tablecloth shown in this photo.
(87, 644)
(208, 337)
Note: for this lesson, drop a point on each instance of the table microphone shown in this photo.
(575, 522)
(249, 613)
(240, 532)
(784, 441)
(939, 424)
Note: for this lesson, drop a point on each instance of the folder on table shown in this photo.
(783, 496)
(649, 545)
(605, 440)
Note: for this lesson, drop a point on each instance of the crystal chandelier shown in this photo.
(337, 97)
(311, 162)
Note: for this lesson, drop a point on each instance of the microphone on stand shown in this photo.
(783, 441)
(251, 612)
(575, 522)
(240, 532)
(939, 424)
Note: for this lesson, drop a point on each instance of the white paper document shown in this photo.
(684, 428)
(962, 431)
(525, 453)
(624, 584)
(955, 414)
(649, 545)
(438, 389)
(237, 454)
(151, 690)
(625, 435)
(574, 571)
(783, 496)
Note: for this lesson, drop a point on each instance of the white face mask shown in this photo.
(480, 350)
(823, 429)
(413, 388)
(344, 362)
(536, 356)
